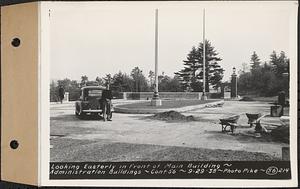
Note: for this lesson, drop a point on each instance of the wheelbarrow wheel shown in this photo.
(232, 127)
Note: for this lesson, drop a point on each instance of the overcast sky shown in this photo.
(98, 38)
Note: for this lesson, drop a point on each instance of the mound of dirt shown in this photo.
(172, 115)
(245, 98)
(214, 105)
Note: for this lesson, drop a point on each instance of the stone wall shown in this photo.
(145, 95)
(166, 95)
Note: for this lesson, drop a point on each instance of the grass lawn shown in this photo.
(166, 104)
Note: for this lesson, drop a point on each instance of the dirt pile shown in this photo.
(245, 98)
(214, 105)
(172, 116)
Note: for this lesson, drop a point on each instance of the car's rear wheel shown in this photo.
(82, 115)
(77, 109)
(79, 113)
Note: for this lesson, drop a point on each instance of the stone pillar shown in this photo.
(124, 96)
(233, 91)
(222, 90)
(66, 97)
(199, 96)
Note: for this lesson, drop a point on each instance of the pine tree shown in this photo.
(187, 74)
(192, 74)
(280, 63)
(151, 77)
(122, 82)
(100, 81)
(84, 80)
(140, 81)
(255, 61)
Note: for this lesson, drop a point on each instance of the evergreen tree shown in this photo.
(84, 80)
(151, 77)
(187, 74)
(192, 73)
(100, 81)
(53, 91)
(140, 81)
(280, 63)
(70, 86)
(121, 82)
(255, 61)
(267, 79)
(107, 80)
(168, 84)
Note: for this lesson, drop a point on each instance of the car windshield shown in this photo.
(95, 92)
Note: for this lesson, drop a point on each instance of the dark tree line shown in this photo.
(265, 78)
(190, 78)
(136, 81)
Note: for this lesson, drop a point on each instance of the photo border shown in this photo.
(44, 114)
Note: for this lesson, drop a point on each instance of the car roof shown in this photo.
(93, 87)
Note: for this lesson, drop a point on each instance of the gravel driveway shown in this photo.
(131, 137)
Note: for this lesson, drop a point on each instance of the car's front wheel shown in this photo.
(78, 112)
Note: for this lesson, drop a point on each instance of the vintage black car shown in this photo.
(89, 101)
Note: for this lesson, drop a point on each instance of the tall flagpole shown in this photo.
(156, 53)
(155, 100)
(204, 97)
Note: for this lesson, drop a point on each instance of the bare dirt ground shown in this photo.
(136, 137)
(166, 104)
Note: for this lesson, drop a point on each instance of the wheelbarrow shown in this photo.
(230, 122)
(252, 118)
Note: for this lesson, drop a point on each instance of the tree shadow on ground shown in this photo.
(251, 136)
(244, 135)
